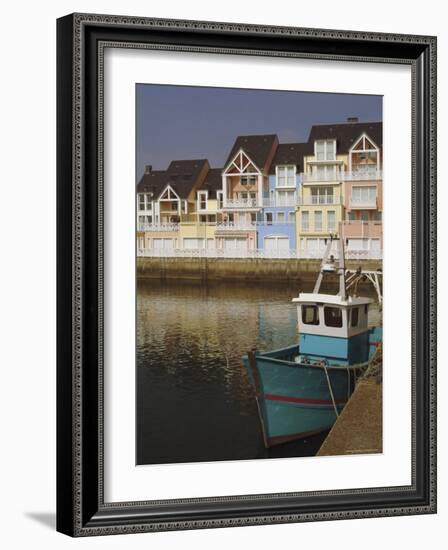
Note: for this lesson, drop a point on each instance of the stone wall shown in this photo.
(247, 269)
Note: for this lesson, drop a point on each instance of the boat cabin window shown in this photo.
(310, 315)
(354, 316)
(333, 316)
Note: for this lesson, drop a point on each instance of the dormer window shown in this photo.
(202, 200)
(144, 201)
(325, 149)
(286, 176)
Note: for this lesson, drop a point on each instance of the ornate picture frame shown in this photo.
(81, 506)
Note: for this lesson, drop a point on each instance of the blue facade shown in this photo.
(277, 221)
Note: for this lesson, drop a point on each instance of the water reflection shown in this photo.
(194, 400)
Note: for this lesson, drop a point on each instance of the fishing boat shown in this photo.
(301, 390)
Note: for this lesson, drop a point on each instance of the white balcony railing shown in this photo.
(236, 226)
(158, 227)
(354, 175)
(322, 177)
(257, 253)
(363, 175)
(319, 199)
(360, 202)
(241, 203)
(273, 202)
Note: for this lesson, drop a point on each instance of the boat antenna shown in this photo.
(329, 265)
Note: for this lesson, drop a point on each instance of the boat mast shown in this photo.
(329, 265)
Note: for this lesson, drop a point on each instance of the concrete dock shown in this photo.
(359, 428)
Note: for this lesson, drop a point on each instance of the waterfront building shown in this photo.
(363, 192)
(245, 181)
(165, 200)
(341, 188)
(271, 198)
(276, 232)
(198, 231)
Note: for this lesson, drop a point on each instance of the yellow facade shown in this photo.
(321, 202)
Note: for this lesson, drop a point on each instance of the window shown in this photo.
(202, 198)
(248, 180)
(253, 217)
(268, 218)
(281, 217)
(331, 220)
(354, 317)
(286, 176)
(325, 173)
(174, 205)
(144, 201)
(292, 217)
(318, 220)
(364, 196)
(322, 195)
(310, 315)
(219, 196)
(364, 216)
(203, 219)
(333, 317)
(305, 221)
(325, 149)
(351, 216)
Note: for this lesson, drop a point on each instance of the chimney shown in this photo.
(352, 119)
(148, 169)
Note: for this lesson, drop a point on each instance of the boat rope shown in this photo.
(324, 366)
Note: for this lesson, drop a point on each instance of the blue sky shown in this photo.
(187, 122)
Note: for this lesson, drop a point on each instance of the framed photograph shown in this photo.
(246, 274)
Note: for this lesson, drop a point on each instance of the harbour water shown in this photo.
(194, 400)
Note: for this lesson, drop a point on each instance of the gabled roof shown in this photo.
(258, 148)
(290, 153)
(346, 134)
(181, 175)
(212, 182)
(153, 182)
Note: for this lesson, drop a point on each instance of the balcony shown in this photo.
(363, 202)
(363, 175)
(158, 227)
(361, 229)
(274, 202)
(236, 226)
(326, 177)
(319, 199)
(354, 175)
(241, 203)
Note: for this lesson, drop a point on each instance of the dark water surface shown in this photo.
(194, 400)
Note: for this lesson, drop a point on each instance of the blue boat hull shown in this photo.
(294, 399)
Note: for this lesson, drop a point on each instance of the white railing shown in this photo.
(273, 202)
(240, 203)
(354, 175)
(158, 227)
(358, 202)
(253, 254)
(318, 229)
(327, 176)
(319, 199)
(363, 175)
(236, 226)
